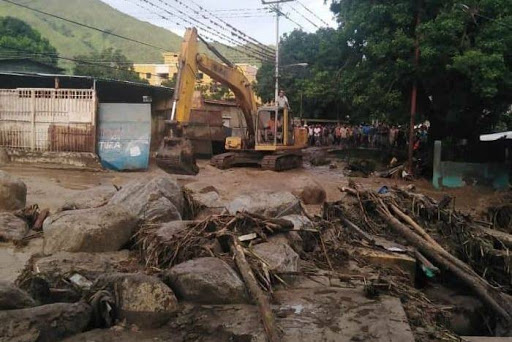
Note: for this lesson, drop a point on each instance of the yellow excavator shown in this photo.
(271, 140)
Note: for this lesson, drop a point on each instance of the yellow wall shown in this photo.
(158, 73)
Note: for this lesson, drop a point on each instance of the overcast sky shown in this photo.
(246, 15)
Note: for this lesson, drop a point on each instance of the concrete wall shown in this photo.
(458, 174)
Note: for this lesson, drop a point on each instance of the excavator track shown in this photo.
(281, 162)
(223, 161)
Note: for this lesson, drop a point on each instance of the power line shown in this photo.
(85, 25)
(236, 31)
(302, 15)
(241, 9)
(264, 52)
(279, 12)
(313, 13)
(206, 27)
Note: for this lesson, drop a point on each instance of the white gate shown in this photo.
(48, 119)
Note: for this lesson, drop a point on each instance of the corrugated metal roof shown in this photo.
(97, 79)
(496, 136)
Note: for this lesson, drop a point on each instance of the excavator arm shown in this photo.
(190, 63)
(176, 154)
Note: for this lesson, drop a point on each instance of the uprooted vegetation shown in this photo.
(328, 250)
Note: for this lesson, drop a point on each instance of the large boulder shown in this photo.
(13, 192)
(12, 228)
(205, 199)
(47, 323)
(66, 265)
(279, 256)
(104, 229)
(158, 200)
(90, 198)
(12, 297)
(207, 281)
(143, 300)
(271, 204)
(311, 193)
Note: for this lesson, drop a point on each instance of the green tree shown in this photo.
(464, 75)
(108, 63)
(18, 39)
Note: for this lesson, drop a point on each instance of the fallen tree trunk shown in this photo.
(255, 291)
(498, 301)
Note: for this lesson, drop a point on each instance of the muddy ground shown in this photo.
(50, 187)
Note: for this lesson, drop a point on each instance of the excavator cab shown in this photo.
(274, 128)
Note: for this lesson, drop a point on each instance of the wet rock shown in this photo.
(205, 198)
(90, 198)
(319, 159)
(157, 200)
(12, 228)
(207, 281)
(279, 256)
(292, 239)
(64, 265)
(200, 188)
(12, 297)
(143, 300)
(300, 222)
(13, 192)
(311, 193)
(47, 323)
(104, 229)
(271, 204)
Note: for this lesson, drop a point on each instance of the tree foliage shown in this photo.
(366, 68)
(109, 63)
(18, 39)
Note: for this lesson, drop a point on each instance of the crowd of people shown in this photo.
(365, 135)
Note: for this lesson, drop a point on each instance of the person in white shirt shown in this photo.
(282, 100)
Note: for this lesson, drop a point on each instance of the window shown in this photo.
(148, 75)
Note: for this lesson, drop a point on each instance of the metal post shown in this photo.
(33, 121)
(278, 13)
(414, 92)
(277, 54)
(301, 94)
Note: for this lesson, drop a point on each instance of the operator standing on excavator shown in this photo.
(282, 100)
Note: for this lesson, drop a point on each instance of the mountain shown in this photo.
(71, 40)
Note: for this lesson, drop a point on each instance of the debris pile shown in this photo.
(152, 254)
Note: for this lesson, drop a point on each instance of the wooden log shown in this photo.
(496, 300)
(358, 231)
(255, 291)
(417, 228)
(497, 234)
(278, 223)
(422, 233)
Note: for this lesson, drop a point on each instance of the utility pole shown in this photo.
(278, 13)
(414, 92)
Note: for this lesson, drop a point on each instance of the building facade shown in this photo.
(158, 74)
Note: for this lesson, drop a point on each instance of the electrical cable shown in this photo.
(85, 25)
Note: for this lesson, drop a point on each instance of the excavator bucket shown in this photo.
(176, 156)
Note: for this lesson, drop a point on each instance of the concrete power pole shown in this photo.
(278, 13)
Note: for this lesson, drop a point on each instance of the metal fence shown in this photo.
(48, 119)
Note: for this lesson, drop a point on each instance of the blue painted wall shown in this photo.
(124, 136)
(457, 174)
